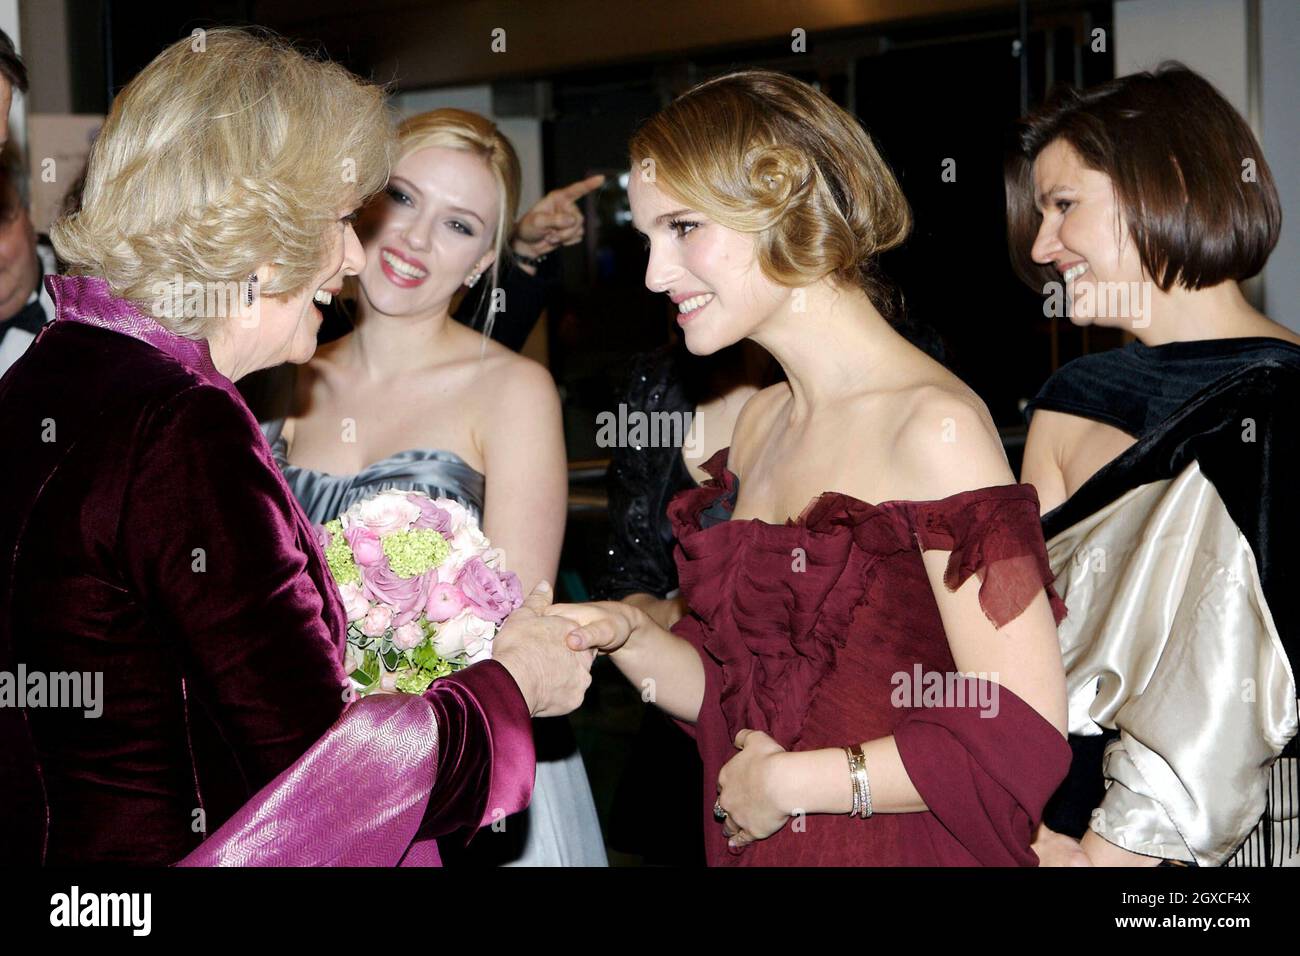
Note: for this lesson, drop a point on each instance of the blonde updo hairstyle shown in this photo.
(762, 152)
(229, 151)
(463, 130)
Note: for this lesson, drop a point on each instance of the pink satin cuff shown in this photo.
(393, 774)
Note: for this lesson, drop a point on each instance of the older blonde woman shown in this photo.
(149, 546)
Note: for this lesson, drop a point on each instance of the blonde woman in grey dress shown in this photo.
(413, 399)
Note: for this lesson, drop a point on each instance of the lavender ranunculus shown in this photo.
(491, 596)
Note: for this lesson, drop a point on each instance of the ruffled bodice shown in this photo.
(804, 629)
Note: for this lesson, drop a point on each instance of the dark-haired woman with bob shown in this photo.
(1160, 468)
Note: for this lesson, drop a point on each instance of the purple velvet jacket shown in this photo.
(147, 534)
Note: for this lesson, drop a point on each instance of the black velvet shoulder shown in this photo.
(1137, 387)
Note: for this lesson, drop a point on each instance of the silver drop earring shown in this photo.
(472, 279)
(252, 284)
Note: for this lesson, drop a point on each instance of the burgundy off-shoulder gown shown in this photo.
(802, 628)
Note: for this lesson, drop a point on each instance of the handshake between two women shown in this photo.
(549, 649)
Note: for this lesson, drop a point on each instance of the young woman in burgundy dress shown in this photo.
(862, 540)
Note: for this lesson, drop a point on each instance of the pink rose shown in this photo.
(445, 602)
(377, 621)
(465, 634)
(386, 512)
(354, 601)
(431, 517)
(407, 596)
(491, 596)
(459, 514)
(408, 636)
(367, 549)
(468, 542)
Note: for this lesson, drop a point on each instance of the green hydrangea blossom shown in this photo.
(414, 552)
(339, 555)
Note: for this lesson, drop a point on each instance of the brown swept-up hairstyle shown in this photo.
(762, 152)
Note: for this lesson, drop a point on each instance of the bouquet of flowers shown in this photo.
(423, 588)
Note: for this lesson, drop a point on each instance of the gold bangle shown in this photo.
(853, 782)
(861, 785)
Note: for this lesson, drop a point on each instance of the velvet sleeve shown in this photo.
(986, 766)
(210, 542)
(486, 761)
(392, 773)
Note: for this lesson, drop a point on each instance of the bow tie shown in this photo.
(30, 319)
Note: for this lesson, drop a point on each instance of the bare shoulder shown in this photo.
(1040, 464)
(1050, 433)
(511, 390)
(753, 422)
(515, 377)
(947, 443)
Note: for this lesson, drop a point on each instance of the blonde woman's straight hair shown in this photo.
(463, 130)
(229, 151)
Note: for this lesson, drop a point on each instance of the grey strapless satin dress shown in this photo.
(559, 827)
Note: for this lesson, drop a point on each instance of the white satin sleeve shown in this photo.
(1169, 640)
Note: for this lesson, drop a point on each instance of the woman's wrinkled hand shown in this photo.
(746, 789)
(531, 645)
(603, 626)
